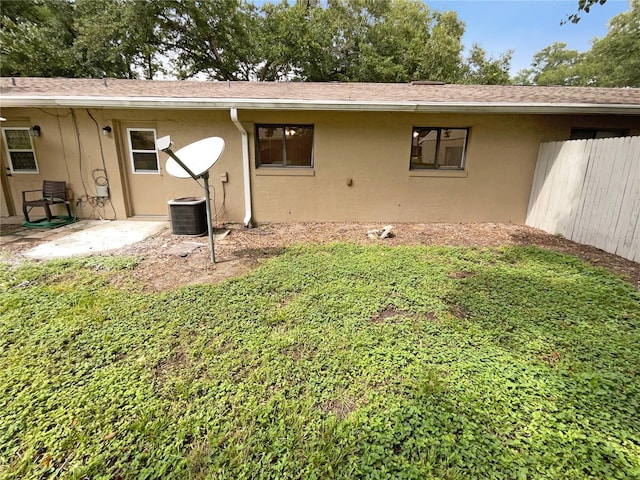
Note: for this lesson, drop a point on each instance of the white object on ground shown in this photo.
(386, 231)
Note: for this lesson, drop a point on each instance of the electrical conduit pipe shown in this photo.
(245, 168)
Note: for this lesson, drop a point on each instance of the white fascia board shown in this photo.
(532, 108)
(164, 103)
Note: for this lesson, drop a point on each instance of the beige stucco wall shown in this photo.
(149, 193)
(61, 157)
(371, 149)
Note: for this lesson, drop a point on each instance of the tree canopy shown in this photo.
(344, 40)
(612, 61)
(35, 37)
(553, 65)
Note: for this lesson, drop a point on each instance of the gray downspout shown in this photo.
(245, 168)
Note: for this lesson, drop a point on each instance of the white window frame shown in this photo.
(8, 150)
(132, 151)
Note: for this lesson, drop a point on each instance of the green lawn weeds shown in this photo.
(337, 361)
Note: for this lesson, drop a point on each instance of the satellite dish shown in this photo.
(198, 157)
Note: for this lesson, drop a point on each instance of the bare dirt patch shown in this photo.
(460, 275)
(459, 311)
(429, 317)
(169, 366)
(387, 313)
(300, 352)
(163, 264)
(341, 407)
(391, 313)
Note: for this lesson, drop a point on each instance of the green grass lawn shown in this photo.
(335, 361)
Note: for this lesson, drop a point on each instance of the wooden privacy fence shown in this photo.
(589, 192)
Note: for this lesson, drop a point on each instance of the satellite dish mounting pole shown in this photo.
(205, 177)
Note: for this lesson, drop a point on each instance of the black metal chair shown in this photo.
(52, 192)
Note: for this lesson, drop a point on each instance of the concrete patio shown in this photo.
(85, 237)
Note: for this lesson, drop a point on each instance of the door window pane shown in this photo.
(145, 161)
(18, 139)
(143, 140)
(20, 151)
(23, 161)
(142, 150)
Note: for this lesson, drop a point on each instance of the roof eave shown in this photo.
(327, 105)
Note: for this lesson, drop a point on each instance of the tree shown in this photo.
(82, 38)
(442, 59)
(554, 65)
(119, 38)
(583, 6)
(342, 40)
(614, 60)
(36, 38)
(213, 38)
(360, 40)
(481, 70)
(298, 43)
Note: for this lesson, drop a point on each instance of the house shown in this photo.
(418, 152)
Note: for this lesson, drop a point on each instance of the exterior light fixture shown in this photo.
(35, 131)
(106, 130)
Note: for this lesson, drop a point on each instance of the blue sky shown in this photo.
(528, 26)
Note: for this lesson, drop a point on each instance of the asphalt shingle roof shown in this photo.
(345, 93)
